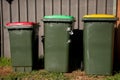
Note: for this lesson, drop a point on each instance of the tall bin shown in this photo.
(57, 29)
(98, 43)
(23, 45)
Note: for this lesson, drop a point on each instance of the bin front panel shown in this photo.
(21, 47)
(98, 47)
(56, 47)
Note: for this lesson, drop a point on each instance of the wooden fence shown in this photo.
(34, 10)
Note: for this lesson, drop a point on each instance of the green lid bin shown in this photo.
(57, 29)
(23, 45)
(98, 41)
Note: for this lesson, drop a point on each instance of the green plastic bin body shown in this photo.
(22, 46)
(98, 37)
(57, 43)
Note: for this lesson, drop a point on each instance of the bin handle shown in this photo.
(68, 41)
(69, 30)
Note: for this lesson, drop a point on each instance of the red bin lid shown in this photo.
(20, 24)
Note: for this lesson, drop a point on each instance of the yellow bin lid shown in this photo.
(99, 16)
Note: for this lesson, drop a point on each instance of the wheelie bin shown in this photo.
(23, 45)
(57, 32)
(98, 41)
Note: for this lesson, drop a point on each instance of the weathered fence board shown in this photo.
(34, 10)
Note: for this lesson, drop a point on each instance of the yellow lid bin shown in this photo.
(98, 37)
(99, 17)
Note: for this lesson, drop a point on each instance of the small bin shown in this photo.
(57, 32)
(98, 43)
(23, 45)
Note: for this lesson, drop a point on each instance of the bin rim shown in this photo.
(100, 17)
(58, 18)
(28, 24)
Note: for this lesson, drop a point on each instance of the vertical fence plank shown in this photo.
(83, 10)
(31, 10)
(65, 7)
(40, 13)
(14, 6)
(6, 18)
(6, 11)
(109, 7)
(92, 6)
(74, 12)
(101, 6)
(23, 10)
(57, 7)
(115, 7)
(48, 7)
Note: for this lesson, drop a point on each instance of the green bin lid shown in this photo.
(61, 18)
(99, 17)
